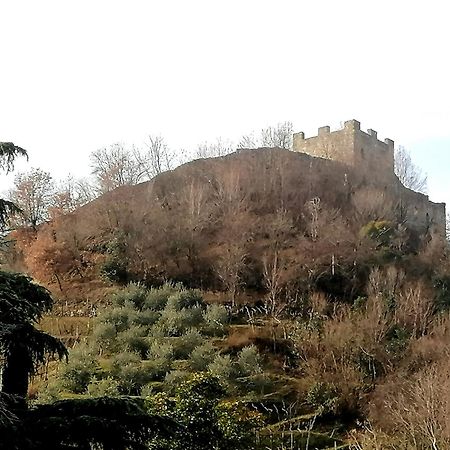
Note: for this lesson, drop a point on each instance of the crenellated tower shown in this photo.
(354, 147)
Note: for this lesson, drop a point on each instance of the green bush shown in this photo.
(381, 231)
(216, 318)
(50, 393)
(175, 322)
(261, 383)
(207, 421)
(184, 345)
(161, 350)
(104, 335)
(324, 397)
(133, 294)
(114, 269)
(156, 299)
(175, 378)
(202, 356)
(222, 367)
(146, 317)
(132, 373)
(79, 371)
(185, 299)
(103, 387)
(134, 339)
(249, 361)
(118, 316)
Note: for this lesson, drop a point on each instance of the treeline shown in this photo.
(42, 198)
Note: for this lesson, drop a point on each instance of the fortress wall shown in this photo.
(376, 158)
(336, 145)
(421, 212)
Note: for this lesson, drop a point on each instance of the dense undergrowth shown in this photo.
(367, 374)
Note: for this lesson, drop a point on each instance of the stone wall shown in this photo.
(354, 147)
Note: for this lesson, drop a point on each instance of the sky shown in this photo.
(78, 76)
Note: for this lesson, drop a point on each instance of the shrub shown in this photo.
(123, 359)
(132, 373)
(114, 269)
(104, 334)
(161, 350)
(260, 383)
(185, 299)
(133, 294)
(184, 345)
(175, 322)
(156, 299)
(103, 387)
(78, 373)
(381, 231)
(216, 318)
(118, 316)
(208, 423)
(50, 393)
(222, 367)
(134, 340)
(324, 397)
(442, 296)
(249, 361)
(146, 317)
(202, 356)
(175, 378)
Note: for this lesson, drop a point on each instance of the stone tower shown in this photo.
(353, 147)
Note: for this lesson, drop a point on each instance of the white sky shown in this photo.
(77, 76)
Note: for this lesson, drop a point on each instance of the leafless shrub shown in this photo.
(229, 268)
(272, 269)
(372, 204)
(215, 149)
(279, 135)
(419, 411)
(414, 309)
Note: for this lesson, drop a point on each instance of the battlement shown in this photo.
(352, 146)
(349, 125)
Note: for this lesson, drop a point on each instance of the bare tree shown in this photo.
(212, 150)
(407, 172)
(272, 280)
(372, 204)
(276, 136)
(230, 267)
(116, 166)
(32, 193)
(69, 194)
(157, 158)
(248, 141)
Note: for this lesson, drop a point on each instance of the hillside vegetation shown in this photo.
(284, 283)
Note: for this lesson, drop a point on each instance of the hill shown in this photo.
(225, 223)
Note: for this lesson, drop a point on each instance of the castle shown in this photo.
(374, 163)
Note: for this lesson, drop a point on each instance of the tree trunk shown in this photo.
(15, 373)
